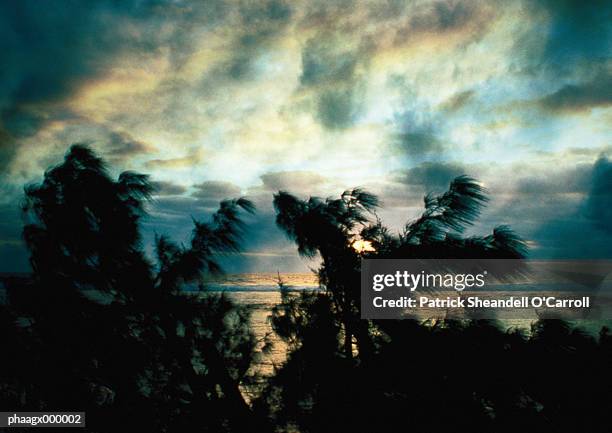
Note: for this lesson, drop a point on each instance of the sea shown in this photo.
(260, 292)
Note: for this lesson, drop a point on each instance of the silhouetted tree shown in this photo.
(105, 329)
(330, 228)
(345, 374)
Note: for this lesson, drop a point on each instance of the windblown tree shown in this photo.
(106, 329)
(344, 374)
(331, 227)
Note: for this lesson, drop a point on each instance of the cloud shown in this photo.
(583, 96)
(403, 191)
(292, 181)
(173, 216)
(417, 141)
(211, 192)
(578, 30)
(564, 211)
(298, 96)
(38, 63)
(325, 61)
(193, 158)
(262, 22)
(338, 109)
(165, 188)
(266, 246)
(598, 205)
(122, 145)
(416, 133)
(439, 16)
(176, 207)
(334, 71)
(433, 174)
(569, 180)
(7, 150)
(458, 101)
(49, 58)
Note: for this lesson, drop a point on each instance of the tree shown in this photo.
(344, 374)
(112, 331)
(331, 227)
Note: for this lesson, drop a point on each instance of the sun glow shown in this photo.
(362, 246)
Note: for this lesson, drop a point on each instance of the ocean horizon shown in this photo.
(261, 281)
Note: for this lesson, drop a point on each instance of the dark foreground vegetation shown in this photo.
(104, 328)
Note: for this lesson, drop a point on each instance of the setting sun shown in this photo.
(362, 246)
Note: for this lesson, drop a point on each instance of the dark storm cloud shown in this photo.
(338, 109)
(173, 216)
(598, 206)
(263, 21)
(292, 181)
(266, 246)
(584, 96)
(211, 192)
(565, 214)
(334, 71)
(172, 212)
(7, 149)
(575, 36)
(122, 144)
(406, 188)
(431, 175)
(323, 62)
(578, 30)
(20, 122)
(49, 51)
(263, 237)
(415, 134)
(418, 140)
(164, 188)
(574, 180)
(443, 15)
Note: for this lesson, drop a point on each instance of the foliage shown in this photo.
(345, 374)
(103, 328)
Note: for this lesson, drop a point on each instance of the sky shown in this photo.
(218, 99)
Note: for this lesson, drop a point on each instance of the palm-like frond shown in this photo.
(222, 234)
(227, 226)
(84, 222)
(80, 156)
(289, 209)
(315, 224)
(453, 210)
(507, 242)
(135, 189)
(459, 206)
(298, 219)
